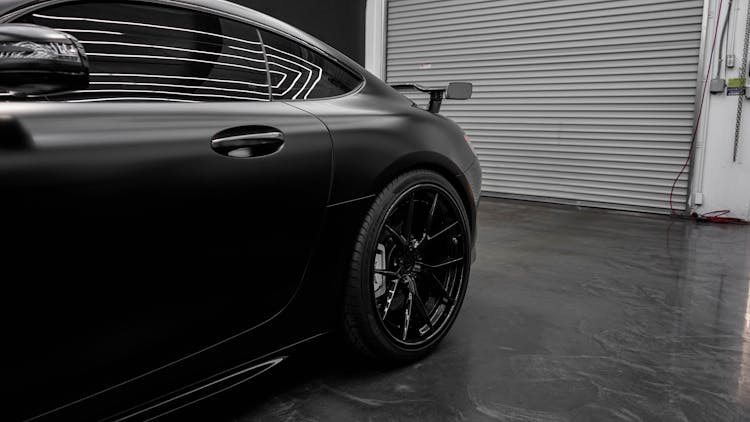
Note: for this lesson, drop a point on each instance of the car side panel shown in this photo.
(128, 243)
(378, 136)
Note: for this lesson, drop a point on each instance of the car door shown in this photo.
(166, 208)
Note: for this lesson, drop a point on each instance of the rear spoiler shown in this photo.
(454, 91)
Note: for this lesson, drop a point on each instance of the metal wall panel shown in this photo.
(575, 101)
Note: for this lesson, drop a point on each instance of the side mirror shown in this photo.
(35, 60)
(459, 91)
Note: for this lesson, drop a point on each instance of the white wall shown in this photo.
(723, 183)
(375, 37)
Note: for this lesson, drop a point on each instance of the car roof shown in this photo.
(227, 8)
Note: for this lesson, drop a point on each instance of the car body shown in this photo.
(144, 270)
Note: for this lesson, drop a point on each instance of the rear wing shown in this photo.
(454, 91)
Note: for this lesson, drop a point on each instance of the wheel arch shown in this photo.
(330, 262)
(433, 161)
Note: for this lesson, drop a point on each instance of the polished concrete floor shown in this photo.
(571, 315)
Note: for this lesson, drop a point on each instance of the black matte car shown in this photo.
(189, 189)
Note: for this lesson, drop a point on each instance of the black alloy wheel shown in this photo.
(410, 269)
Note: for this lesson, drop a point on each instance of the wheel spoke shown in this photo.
(415, 299)
(409, 218)
(441, 288)
(420, 305)
(407, 315)
(441, 231)
(430, 216)
(387, 273)
(396, 234)
(389, 299)
(442, 264)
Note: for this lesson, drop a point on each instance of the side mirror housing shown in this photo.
(459, 91)
(35, 60)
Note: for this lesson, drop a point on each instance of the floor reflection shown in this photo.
(743, 381)
(571, 315)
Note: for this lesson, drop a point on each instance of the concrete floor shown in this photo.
(570, 315)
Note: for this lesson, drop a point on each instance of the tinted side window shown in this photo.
(297, 73)
(143, 52)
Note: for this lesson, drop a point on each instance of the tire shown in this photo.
(407, 281)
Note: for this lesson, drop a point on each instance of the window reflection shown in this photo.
(309, 74)
(282, 60)
(197, 57)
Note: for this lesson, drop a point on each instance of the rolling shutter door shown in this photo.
(575, 101)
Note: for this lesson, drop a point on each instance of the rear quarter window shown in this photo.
(299, 73)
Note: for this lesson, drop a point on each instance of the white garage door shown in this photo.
(575, 101)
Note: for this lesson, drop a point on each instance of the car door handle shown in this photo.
(248, 145)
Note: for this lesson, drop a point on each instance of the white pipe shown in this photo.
(731, 31)
(699, 150)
